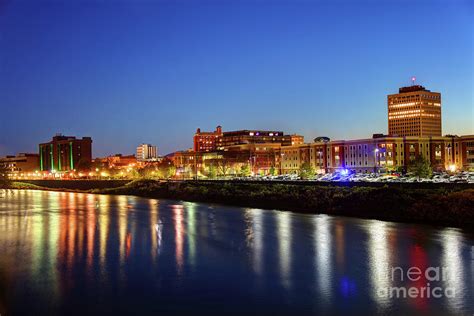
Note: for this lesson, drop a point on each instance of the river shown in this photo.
(74, 253)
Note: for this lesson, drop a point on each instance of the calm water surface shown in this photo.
(70, 253)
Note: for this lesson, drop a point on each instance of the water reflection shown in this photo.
(191, 232)
(58, 248)
(283, 221)
(155, 229)
(452, 261)
(103, 226)
(322, 244)
(179, 235)
(379, 262)
(122, 217)
(254, 233)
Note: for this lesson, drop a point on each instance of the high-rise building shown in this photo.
(146, 152)
(64, 153)
(414, 111)
(207, 141)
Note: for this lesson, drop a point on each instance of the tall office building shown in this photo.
(414, 111)
(146, 152)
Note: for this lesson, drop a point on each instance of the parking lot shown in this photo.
(347, 176)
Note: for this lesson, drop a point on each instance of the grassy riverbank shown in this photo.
(435, 206)
(444, 206)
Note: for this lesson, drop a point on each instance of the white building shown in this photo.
(147, 152)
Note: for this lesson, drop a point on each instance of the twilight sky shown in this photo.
(126, 72)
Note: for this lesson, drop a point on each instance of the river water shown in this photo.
(73, 253)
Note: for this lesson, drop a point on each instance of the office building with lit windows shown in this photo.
(414, 111)
(218, 140)
(242, 137)
(207, 141)
(65, 153)
(146, 152)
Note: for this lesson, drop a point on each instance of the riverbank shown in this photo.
(438, 206)
(434, 206)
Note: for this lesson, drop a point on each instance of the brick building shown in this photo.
(64, 153)
(207, 141)
(21, 163)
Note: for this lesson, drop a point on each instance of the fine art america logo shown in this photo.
(423, 283)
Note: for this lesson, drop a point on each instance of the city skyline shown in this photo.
(137, 85)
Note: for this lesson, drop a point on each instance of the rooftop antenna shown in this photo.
(413, 79)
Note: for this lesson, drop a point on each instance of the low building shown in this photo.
(464, 152)
(120, 161)
(21, 163)
(293, 157)
(187, 162)
(65, 153)
(381, 153)
(263, 158)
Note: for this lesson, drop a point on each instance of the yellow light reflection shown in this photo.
(179, 235)
(90, 230)
(379, 262)
(255, 238)
(283, 220)
(452, 261)
(122, 204)
(322, 244)
(103, 224)
(191, 232)
(155, 229)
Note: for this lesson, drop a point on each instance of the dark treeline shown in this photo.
(440, 206)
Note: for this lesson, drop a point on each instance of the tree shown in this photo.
(148, 172)
(211, 171)
(132, 173)
(223, 166)
(245, 170)
(4, 180)
(306, 171)
(272, 171)
(420, 167)
(166, 169)
(84, 165)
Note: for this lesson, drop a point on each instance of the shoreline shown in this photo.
(438, 207)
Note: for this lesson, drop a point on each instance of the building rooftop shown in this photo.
(254, 133)
(412, 89)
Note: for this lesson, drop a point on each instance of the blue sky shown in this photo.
(126, 72)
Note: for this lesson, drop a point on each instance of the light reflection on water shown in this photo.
(452, 259)
(322, 243)
(284, 247)
(123, 254)
(379, 261)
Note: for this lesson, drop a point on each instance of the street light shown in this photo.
(452, 168)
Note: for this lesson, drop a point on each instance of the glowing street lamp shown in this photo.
(452, 168)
